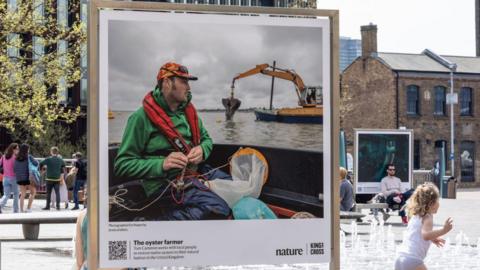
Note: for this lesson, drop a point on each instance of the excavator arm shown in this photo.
(284, 74)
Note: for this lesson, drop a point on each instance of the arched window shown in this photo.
(466, 101)
(413, 100)
(440, 100)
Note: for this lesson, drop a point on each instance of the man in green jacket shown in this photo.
(54, 175)
(163, 143)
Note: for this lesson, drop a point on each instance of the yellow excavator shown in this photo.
(310, 110)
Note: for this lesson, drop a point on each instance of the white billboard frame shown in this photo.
(369, 187)
(101, 10)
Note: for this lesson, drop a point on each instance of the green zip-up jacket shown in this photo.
(138, 156)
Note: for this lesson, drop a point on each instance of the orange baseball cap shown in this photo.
(173, 69)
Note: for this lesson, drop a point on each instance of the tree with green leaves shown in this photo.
(40, 54)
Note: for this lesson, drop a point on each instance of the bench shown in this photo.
(31, 221)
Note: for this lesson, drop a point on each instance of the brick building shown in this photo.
(393, 90)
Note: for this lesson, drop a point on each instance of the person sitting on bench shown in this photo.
(391, 192)
(346, 192)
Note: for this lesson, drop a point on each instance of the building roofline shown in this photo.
(444, 55)
(434, 72)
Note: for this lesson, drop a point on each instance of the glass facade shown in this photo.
(62, 13)
(12, 49)
(39, 11)
(62, 21)
(83, 60)
(11, 5)
(350, 49)
(62, 85)
(37, 54)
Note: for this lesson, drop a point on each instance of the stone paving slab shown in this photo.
(464, 210)
(45, 254)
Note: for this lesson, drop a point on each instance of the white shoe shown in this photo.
(28, 211)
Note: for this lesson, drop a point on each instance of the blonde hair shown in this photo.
(343, 173)
(54, 150)
(423, 198)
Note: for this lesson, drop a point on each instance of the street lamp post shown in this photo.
(453, 68)
(451, 99)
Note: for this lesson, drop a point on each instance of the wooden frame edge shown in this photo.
(93, 105)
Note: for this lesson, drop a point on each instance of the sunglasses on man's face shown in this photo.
(391, 170)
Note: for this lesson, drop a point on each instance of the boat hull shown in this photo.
(300, 115)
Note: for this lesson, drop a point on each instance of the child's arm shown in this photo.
(427, 228)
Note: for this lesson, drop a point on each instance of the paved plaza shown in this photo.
(53, 250)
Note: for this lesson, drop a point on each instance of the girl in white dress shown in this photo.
(420, 233)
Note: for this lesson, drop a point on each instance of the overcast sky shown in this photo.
(214, 53)
(444, 26)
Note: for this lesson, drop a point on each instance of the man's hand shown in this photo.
(175, 160)
(397, 199)
(439, 242)
(195, 155)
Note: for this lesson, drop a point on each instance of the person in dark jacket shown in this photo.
(21, 168)
(80, 167)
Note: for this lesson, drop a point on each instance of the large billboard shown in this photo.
(374, 150)
(277, 207)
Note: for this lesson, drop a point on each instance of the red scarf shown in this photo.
(161, 120)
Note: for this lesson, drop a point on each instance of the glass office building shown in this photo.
(350, 49)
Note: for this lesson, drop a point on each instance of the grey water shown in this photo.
(243, 129)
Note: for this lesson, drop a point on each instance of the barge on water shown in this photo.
(313, 115)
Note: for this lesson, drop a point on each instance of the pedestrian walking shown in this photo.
(80, 167)
(423, 204)
(7, 162)
(54, 175)
(22, 172)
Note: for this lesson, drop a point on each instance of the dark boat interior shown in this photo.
(294, 183)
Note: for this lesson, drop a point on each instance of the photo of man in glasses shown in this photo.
(392, 191)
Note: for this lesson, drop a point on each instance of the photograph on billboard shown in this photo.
(213, 149)
(375, 150)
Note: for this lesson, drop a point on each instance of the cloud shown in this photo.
(213, 52)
